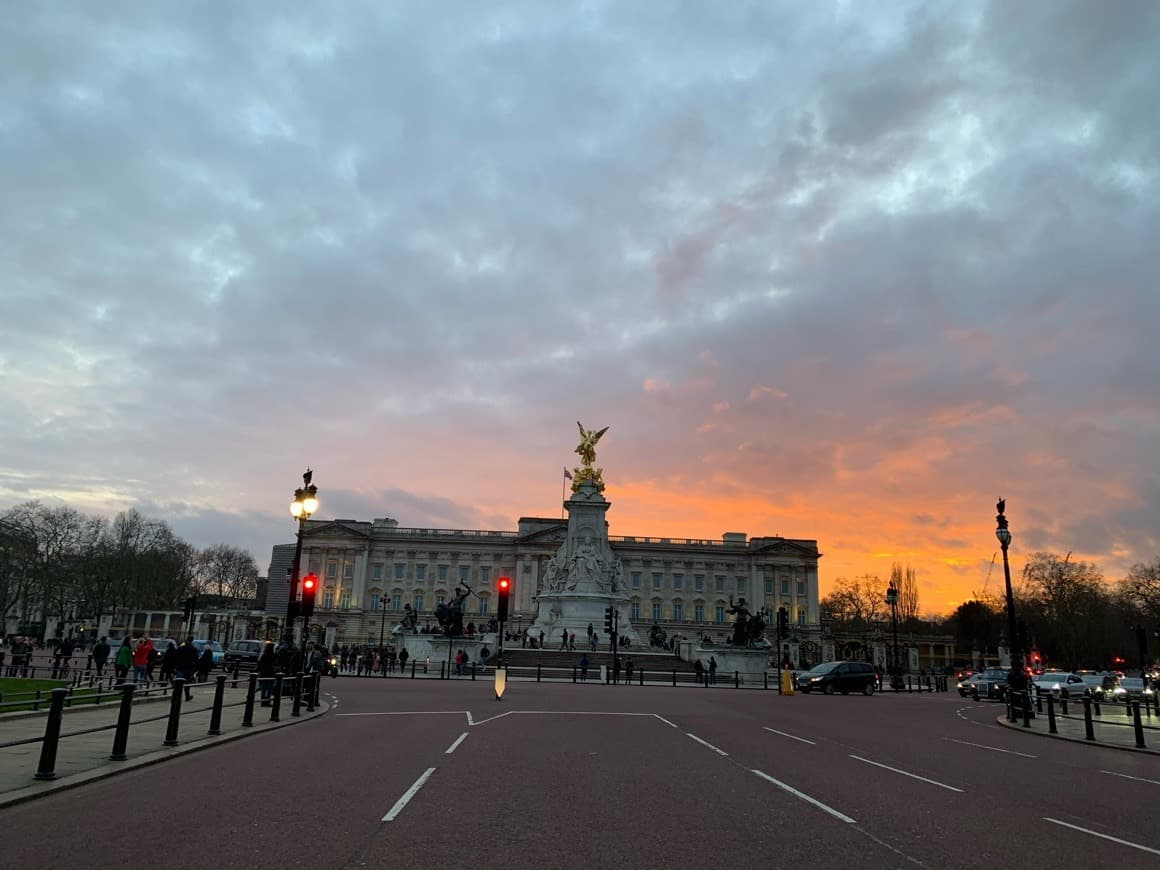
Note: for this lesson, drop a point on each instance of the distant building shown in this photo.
(278, 580)
(370, 570)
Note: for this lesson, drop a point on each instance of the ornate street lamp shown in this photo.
(892, 600)
(304, 504)
(1017, 677)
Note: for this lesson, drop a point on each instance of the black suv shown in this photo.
(844, 677)
(244, 652)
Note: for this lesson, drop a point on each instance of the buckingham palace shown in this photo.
(370, 570)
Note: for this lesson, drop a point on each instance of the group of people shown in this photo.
(367, 660)
(139, 654)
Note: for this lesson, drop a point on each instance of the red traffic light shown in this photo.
(505, 584)
(309, 582)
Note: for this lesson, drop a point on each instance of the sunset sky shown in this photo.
(844, 271)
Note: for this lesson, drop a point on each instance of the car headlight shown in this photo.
(815, 679)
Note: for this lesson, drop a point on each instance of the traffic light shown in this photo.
(782, 621)
(503, 594)
(309, 591)
(608, 619)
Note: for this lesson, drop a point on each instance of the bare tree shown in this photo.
(855, 603)
(1142, 588)
(906, 582)
(227, 571)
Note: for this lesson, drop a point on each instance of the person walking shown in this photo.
(204, 663)
(123, 660)
(628, 672)
(186, 665)
(141, 661)
(169, 662)
(699, 670)
(403, 656)
(712, 670)
(571, 641)
(101, 655)
(595, 640)
(564, 641)
(584, 667)
(266, 672)
(541, 639)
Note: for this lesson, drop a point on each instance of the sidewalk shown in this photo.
(84, 757)
(1112, 728)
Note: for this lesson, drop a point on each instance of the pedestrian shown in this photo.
(403, 656)
(699, 670)
(186, 665)
(141, 660)
(123, 661)
(712, 669)
(572, 641)
(628, 672)
(101, 655)
(313, 661)
(266, 672)
(204, 663)
(595, 640)
(169, 662)
(154, 659)
(584, 667)
(541, 638)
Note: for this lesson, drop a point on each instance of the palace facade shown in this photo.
(370, 570)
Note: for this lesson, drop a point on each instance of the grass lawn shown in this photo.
(15, 689)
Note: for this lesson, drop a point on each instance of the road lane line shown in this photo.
(407, 795)
(499, 716)
(455, 745)
(1103, 836)
(1125, 776)
(805, 797)
(790, 736)
(663, 719)
(907, 773)
(710, 745)
(992, 748)
(406, 713)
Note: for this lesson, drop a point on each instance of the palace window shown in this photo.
(440, 599)
(347, 570)
(699, 582)
(678, 612)
(377, 571)
(484, 573)
(344, 600)
(442, 572)
(635, 579)
(719, 615)
(331, 570)
(417, 602)
(801, 616)
(656, 610)
(396, 602)
(635, 609)
(740, 584)
(483, 604)
(768, 586)
(400, 570)
(315, 566)
(801, 587)
(656, 581)
(374, 602)
(464, 573)
(328, 599)
(699, 613)
(785, 587)
(420, 572)
(678, 581)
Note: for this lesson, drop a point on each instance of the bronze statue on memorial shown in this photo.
(586, 450)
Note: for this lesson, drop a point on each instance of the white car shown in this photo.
(1058, 684)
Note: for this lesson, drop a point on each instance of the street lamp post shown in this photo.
(1016, 677)
(304, 504)
(892, 600)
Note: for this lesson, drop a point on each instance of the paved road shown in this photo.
(598, 776)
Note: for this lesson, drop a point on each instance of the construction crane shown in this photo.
(987, 582)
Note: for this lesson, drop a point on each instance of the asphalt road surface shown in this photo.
(406, 773)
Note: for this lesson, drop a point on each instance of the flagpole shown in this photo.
(563, 483)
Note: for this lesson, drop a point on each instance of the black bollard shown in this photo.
(1063, 704)
(317, 686)
(573, 673)
(441, 671)
(642, 676)
(413, 663)
(174, 712)
(311, 680)
(1096, 705)
(248, 714)
(1038, 702)
(674, 679)
(47, 768)
(736, 679)
(473, 671)
(1051, 726)
(219, 694)
(237, 667)
(765, 680)
(296, 706)
(121, 735)
(537, 672)
(1026, 703)
(1089, 729)
(275, 707)
(1137, 725)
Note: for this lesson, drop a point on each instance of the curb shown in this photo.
(1015, 726)
(113, 768)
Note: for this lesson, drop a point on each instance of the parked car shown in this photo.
(1093, 685)
(244, 652)
(844, 677)
(219, 654)
(992, 683)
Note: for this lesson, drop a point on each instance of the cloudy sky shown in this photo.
(844, 271)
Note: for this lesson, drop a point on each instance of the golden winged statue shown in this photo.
(586, 449)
